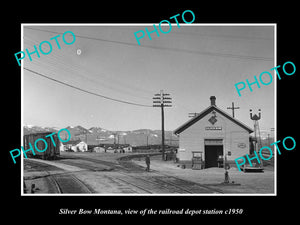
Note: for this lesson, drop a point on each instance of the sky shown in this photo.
(191, 63)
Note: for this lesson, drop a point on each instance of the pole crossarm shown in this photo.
(233, 108)
(161, 101)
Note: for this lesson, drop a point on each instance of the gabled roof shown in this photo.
(204, 113)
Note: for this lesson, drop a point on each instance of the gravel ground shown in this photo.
(250, 183)
(104, 181)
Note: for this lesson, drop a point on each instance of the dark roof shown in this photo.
(204, 113)
(72, 142)
(103, 145)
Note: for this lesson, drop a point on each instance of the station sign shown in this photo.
(213, 128)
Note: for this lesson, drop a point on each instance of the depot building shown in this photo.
(204, 139)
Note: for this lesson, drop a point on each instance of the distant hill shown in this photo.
(28, 129)
(96, 135)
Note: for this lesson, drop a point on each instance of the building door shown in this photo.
(212, 153)
(213, 149)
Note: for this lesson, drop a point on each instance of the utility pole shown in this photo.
(233, 108)
(124, 137)
(162, 100)
(272, 131)
(115, 141)
(147, 140)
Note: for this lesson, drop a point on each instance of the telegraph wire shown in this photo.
(54, 60)
(218, 36)
(223, 36)
(169, 48)
(89, 92)
(105, 83)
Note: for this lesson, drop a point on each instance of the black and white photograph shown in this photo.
(148, 109)
(153, 114)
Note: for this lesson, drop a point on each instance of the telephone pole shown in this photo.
(162, 100)
(233, 108)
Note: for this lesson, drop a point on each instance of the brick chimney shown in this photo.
(213, 100)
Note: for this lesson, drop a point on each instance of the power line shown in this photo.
(89, 92)
(113, 85)
(215, 35)
(168, 48)
(119, 85)
(222, 36)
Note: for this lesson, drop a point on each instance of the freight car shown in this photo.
(52, 150)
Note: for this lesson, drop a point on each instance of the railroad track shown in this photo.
(31, 165)
(153, 186)
(120, 165)
(126, 187)
(188, 186)
(158, 183)
(172, 183)
(130, 167)
(61, 182)
(166, 184)
(68, 184)
(84, 164)
(132, 178)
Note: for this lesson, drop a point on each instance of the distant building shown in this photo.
(70, 145)
(211, 133)
(82, 147)
(75, 145)
(99, 149)
(113, 148)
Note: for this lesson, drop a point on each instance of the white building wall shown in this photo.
(233, 135)
(81, 147)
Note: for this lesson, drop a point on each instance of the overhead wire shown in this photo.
(223, 36)
(213, 35)
(83, 90)
(75, 66)
(168, 48)
(131, 44)
(54, 61)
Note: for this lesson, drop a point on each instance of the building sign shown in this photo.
(213, 119)
(213, 128)
(241, 145)
(213, 141)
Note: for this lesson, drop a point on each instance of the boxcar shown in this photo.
(50, 153)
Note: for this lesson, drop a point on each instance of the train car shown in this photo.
(50, 153)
